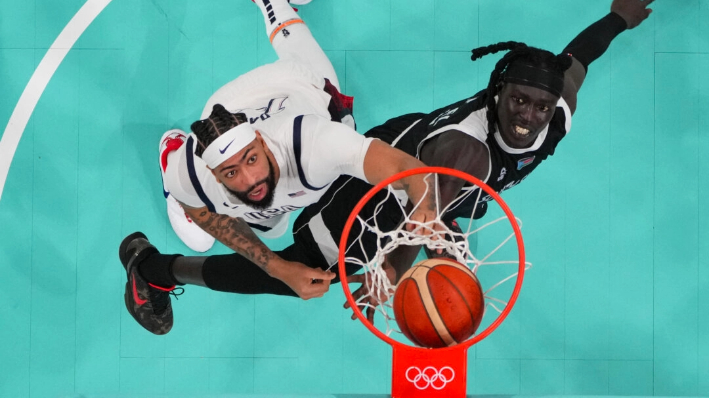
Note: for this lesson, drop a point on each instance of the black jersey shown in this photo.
(508, 166)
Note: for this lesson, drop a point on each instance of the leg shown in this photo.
(292, 39)
(227, 273)
(232, 273)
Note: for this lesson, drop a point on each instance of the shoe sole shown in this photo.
(124, 247)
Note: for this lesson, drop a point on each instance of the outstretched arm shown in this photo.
(383, 161)
(236, 234)
(452, 149)
(332, 149)
(456, 150)
(593, 42)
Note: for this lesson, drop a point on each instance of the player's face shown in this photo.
(523, 112)
(250, 175)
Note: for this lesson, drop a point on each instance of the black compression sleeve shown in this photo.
(590, 44)
(235, 274)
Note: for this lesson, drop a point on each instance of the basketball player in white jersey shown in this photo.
(270, 142)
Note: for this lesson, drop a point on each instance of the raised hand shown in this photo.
(634, 12)
(371, 301)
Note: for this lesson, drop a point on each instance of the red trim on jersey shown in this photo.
(171, 144)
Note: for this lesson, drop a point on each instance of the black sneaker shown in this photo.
(454, 227)
(149, 304)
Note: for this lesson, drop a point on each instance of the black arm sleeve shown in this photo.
(235, 274)
(590, 44)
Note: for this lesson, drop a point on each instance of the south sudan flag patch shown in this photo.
(522, 163)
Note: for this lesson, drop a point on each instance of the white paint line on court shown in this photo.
(39, 80)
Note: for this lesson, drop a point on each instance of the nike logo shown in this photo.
(225, 148)
(137, 298)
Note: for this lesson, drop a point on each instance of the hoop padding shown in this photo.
(520, 250)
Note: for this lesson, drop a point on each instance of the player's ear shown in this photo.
(262, 142)
(259, 138)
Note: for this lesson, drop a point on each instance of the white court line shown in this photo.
(39, 80)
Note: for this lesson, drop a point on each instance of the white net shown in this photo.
(492, 251)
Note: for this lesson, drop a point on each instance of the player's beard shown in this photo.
(267, 201)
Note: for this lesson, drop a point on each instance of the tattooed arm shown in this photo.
(236, 234)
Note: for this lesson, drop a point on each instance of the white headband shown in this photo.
(228, 144)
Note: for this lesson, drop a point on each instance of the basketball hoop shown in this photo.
(417, 371)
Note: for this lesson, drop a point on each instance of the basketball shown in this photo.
(438, 303)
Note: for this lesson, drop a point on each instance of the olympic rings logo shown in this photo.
(430, 377)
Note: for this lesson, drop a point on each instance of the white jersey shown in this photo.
(284, 101)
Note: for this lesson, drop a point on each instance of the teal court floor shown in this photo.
(616, 222)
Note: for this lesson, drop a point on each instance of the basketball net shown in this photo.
(423, 372)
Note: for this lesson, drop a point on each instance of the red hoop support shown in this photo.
(426, 372)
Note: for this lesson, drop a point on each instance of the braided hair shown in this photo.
(517, 52)
(219, 122)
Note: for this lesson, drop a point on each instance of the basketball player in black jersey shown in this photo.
(499, 135)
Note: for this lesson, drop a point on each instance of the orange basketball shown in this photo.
(438, 303)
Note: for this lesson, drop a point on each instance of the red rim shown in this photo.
(455, 173)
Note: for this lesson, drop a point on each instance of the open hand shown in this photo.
(634, 12)
(372, 299)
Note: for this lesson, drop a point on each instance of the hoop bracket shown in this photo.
(433, 373)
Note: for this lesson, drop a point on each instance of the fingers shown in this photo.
(315, 288)
(370, 302)
(316, 273)
(357, 278)
(370, 313)
(355, 296)
(425, 222)
(320, 276)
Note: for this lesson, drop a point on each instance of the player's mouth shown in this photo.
(259, 192)
(520, 131)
